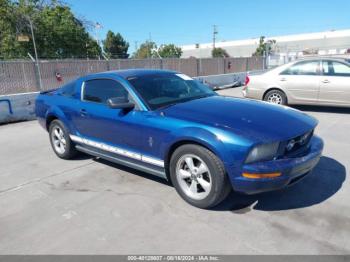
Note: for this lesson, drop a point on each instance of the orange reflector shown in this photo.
(267, 175)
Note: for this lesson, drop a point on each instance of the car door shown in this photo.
(335, 83)
(302, 81)
(98, 122)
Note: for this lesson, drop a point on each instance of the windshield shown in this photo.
(161, 90)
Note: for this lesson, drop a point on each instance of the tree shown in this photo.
(146, 50)
(92, 48)
(9, 46)
(219, 52)
(264, 46)
(115, 46)
(58, 33)
(170, 51)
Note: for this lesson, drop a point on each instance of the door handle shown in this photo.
(283, 79)
(326, 81)
(83, 112)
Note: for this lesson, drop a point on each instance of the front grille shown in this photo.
(297, 146)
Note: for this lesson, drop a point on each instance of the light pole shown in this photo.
(268, 45)
(155, 50)
(35, 51)
(98, 26)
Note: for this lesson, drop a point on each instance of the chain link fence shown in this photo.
(23, 76)
(17, 77)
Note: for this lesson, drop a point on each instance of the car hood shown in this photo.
(249, 118)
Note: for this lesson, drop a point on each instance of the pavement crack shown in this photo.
(38, 180)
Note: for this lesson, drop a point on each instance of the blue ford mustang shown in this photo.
(167, 124)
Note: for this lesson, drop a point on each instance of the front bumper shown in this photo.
(291, 169)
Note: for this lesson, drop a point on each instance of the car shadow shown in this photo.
(324, 109)
(81, 156)
(324, 181)
(133, 171)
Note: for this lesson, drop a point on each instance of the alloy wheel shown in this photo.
(193, 176)
(58, 140)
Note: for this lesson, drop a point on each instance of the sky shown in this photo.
(191, 21)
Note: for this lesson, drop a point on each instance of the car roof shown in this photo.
(309, 58)
(131, 73)
(322, 58)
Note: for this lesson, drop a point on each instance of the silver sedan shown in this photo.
(317, 81)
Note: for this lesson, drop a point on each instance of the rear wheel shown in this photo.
(61, 143)
(199, 176)
(276, 97)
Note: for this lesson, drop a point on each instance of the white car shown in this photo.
(316, 81)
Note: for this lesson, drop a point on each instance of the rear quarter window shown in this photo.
(100, 90)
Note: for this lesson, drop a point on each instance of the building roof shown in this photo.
(279, 39)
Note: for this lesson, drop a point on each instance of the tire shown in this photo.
(276, 97)
(202, 181)
(57, 132)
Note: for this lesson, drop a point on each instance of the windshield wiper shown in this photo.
(202, 96)
(185, 100)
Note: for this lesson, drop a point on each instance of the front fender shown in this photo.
(227, 147)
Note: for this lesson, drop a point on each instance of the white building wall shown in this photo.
(330, 42)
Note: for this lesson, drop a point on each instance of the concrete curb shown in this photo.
(17, 107)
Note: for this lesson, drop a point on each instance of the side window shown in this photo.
(310, 68)
(332, 68)
(100, 90)
(68, 90)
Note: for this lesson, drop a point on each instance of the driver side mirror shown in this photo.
(120, 103)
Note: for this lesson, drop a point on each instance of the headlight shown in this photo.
(263, 152)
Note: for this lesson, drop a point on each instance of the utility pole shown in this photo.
(215, 32)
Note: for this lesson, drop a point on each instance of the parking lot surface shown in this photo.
(89, 206)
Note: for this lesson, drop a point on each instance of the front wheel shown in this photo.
(199, 176)
(61, 143)
(276, 97)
